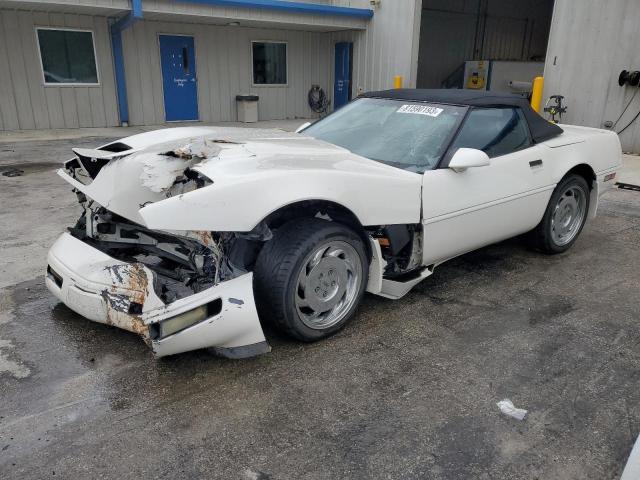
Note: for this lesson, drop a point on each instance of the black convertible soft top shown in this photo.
(540, 128)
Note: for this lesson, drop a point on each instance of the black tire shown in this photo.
(280, 263)
(541, 238)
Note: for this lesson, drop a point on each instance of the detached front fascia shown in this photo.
(185, 195)
(113, 292)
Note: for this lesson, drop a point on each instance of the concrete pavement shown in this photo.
(407, 390)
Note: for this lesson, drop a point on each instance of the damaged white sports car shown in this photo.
(192, 237)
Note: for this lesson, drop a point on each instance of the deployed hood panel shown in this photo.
(254, 172)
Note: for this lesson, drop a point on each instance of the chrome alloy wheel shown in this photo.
(568, 215)
(328, 284)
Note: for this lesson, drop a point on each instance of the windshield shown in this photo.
(408, 135)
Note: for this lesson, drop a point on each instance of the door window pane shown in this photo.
(67, 56)
(496, 131)
(269, 63)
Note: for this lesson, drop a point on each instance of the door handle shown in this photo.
(535, 163)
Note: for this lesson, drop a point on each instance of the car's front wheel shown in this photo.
(310, 277)
(565, 216)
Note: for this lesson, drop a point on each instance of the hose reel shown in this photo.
(317, 98)
(630, 78)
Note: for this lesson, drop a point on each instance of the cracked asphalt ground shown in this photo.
(407, 390)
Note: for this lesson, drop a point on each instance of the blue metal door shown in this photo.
(342, 76)
(178, 59)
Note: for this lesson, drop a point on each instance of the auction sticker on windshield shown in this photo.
(420, 110)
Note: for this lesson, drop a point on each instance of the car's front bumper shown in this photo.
(121, 294)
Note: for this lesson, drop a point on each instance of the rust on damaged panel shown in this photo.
(134, 280)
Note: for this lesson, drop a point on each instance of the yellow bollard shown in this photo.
(397, 81)
(536, 93)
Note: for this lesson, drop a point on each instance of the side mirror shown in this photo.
(302, 127)
(468, 158)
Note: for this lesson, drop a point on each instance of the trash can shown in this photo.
(247, 108)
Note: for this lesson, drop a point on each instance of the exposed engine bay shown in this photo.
(185, 262)
(188, 262)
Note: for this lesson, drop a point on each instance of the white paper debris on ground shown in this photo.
(507, 407)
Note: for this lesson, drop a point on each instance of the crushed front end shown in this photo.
(177, 289)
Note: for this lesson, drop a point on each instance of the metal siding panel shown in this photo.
(83, 106)
(327, 65)
(33, 70)
(52, 94)
(156, 68)
(17, 69)
(212, 52)
(224, 62)
(100, 98)
(69, 111)
(593, 41)
(8, 108)
(294, 102)
(132, 71)
(307, 75)
(236, 56)
(202, 73)
(243, 51)
(142, 41)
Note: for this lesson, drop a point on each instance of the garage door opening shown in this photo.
(495, 45)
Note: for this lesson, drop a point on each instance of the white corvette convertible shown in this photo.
(192, 237)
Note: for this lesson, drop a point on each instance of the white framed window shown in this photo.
(67, 56)
(269, 63)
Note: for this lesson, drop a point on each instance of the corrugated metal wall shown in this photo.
(223, 68)
(457, 30)
(25, 103)
(387, 48)
(591, 41)
(223, 60)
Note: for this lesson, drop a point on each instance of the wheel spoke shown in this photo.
(315, 260)
(568, 215)
(301, 302)
(328, 284)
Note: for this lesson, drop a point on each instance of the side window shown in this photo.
(496, 131)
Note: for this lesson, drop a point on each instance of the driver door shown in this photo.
(466, 210)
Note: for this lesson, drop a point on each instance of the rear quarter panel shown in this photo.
(600, 149)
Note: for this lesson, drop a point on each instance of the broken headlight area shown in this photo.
(88, 162)
(182, 264)
(173, 325)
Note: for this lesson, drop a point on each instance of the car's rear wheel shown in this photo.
(565, 216)
(310, 278)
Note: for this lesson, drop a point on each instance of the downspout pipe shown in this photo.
(118, 57)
